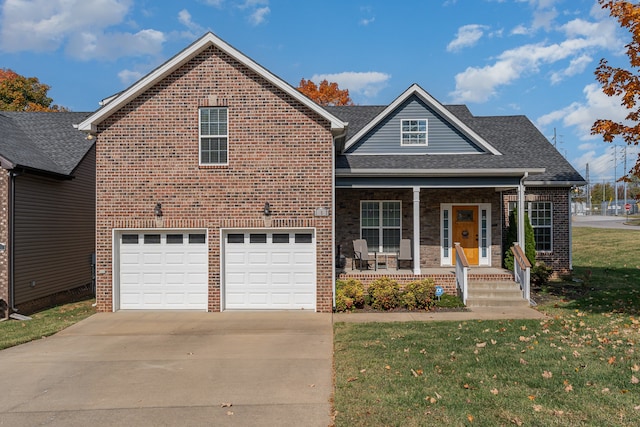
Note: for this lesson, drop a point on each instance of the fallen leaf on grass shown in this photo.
(568, 388)
(470, 418)
(558, 413)
(547, 375)
(611, 360)
(494, 391)
(387, 367)
(635, 368)
(531, 397)
(431, 399)
(481, 344)
(634, 379)
(537, 408)
(605, 390)
(523, 362)
(352, 379)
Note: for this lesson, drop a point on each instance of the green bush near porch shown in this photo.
(385, 294)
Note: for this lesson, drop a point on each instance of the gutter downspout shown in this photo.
(10, 243)
(521, 190)
(333, 216)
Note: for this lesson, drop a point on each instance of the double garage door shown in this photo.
(261, 269)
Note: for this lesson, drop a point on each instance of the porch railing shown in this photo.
(522, 271)
(462, 272)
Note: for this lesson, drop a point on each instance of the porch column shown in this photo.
(521, 212)
(416, 230)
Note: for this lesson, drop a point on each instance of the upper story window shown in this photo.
(414, 132)
(214, 135)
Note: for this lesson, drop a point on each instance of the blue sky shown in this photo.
(500, 57)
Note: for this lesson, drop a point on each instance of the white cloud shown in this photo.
(367, 84)
(467, 36)
(77, 26)
(44, 25)
(367, 21)
(576, 66)
(127, 77)
(86, 45)
(259, 15)
(184, 17)
(479, 84)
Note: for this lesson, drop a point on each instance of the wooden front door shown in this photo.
(465, 231)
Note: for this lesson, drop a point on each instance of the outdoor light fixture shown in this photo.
(267, 209)
(158, 210)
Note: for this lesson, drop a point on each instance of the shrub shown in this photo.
(384, 293)
(512, 237)
(419, 295)
(349, 294)
(540, 274)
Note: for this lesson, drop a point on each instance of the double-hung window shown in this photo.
(214, 135)
(541, 218)
(381, 225)
(413, 132)
(540, 215)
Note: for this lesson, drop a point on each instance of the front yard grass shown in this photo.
(43, 323)
(580, 366)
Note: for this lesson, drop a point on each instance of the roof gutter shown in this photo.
(437, 172)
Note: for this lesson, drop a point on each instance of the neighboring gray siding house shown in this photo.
(47, 210)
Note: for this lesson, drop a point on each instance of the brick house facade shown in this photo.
(279, 152)
(260, 228)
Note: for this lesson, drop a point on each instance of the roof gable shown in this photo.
(442, 137)
(209, 39)
(415, 93)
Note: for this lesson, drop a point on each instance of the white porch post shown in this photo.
(416, 230)
(521, 211)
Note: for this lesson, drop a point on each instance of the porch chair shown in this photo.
(405, 253)
(361, 255)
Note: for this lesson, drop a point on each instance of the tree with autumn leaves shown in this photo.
(325, 94)
(621, 82)
(19, 93)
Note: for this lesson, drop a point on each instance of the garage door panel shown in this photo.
(275, 273)
(257, 257)
(163, 274)
(151, 258)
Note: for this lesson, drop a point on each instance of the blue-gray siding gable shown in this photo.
(442, 137)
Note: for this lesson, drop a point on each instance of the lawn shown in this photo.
(580, 366)
(43, 323)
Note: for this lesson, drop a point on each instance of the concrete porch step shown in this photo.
(495, 294)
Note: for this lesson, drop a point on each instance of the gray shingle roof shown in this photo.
(43, 141)
(520, 142)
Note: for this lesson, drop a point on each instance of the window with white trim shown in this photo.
(381, 225)
(214, 135)
(541, 218)
(413, 132)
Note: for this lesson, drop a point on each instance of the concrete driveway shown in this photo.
(174, 368)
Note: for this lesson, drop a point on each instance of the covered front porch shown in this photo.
(433, 219)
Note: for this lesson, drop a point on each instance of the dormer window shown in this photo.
(413, 132)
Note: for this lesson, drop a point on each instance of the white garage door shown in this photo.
(274, 269)
(163, 270)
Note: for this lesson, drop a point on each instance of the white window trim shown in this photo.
(200, 136)
(426, 133)
(528, 207)
(380, 227)
(448, 260)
